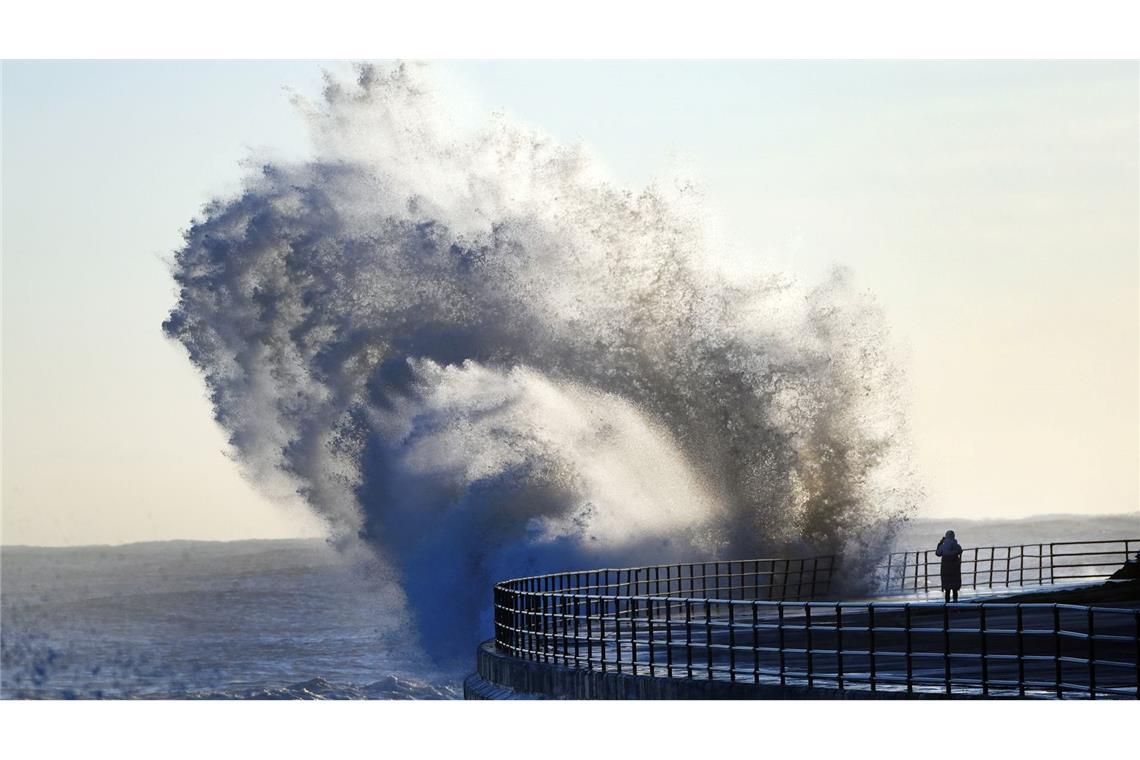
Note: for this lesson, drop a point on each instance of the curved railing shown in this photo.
(756, 621)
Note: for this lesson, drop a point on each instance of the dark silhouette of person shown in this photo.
(951, 553)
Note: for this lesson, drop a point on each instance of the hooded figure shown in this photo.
(951, 553)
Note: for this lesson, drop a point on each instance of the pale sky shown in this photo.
(992, 208)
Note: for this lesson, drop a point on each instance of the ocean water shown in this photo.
(270, 619)
(178, 620)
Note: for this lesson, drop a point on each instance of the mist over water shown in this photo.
(469, 351)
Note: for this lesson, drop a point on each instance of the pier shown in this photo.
(770, 628)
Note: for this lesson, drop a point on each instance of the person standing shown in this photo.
(951, 553)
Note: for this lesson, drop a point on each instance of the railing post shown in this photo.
(1020, 652)
(617, 632)
(909, 649)
(649, 635)
(631, 606)
(985, 652)
(889, 558)
(668, 635)
(946, 645)
(577, 637)
(542, 615)
(1057, 646)
(589, 633)
(689, 635)
(807, 644)
(563, 602)
(1051, 573)
(602, 631)
(755, 642)
(780, 644)
(708, 638)
(731, 642)
(871, 642)
(1092, 654)
(839, 645)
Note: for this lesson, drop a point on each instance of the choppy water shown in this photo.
(247, 619)
(269, 619)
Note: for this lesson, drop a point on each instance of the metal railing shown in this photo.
(1014, 565)
(743, 622)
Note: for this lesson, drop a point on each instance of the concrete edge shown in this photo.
(500, 676)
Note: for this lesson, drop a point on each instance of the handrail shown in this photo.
(1001, 566)
(714, 621)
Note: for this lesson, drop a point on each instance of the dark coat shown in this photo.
(951, 567)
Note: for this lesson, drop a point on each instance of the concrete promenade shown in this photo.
(1018, 655)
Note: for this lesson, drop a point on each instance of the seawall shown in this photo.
(499, 676)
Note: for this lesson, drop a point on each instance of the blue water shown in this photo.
(247, 619)
(272, 619)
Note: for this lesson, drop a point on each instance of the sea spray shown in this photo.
(474, 354)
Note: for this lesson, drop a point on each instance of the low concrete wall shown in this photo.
(502, 677)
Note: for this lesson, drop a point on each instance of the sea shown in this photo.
(279, 619)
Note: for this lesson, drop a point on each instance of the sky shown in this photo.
(993, 209)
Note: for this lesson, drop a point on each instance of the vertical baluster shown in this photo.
(577, 631)
(839, 645)
(1136, 622)
(731, 642)
(1092, 654)
(1057, 642)
(689, 635)
(589, 633)
(1020, 652)
(871, 642)
(780, 644)
(946, 645)
(708, 638)
(631, 606)
(755, 642)
(542, 622)
(808, 645)
(985, 652)
(649, 635)
(602, 604)
(617, 631)
(563, 614)
(909, 649)
(668, 637)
